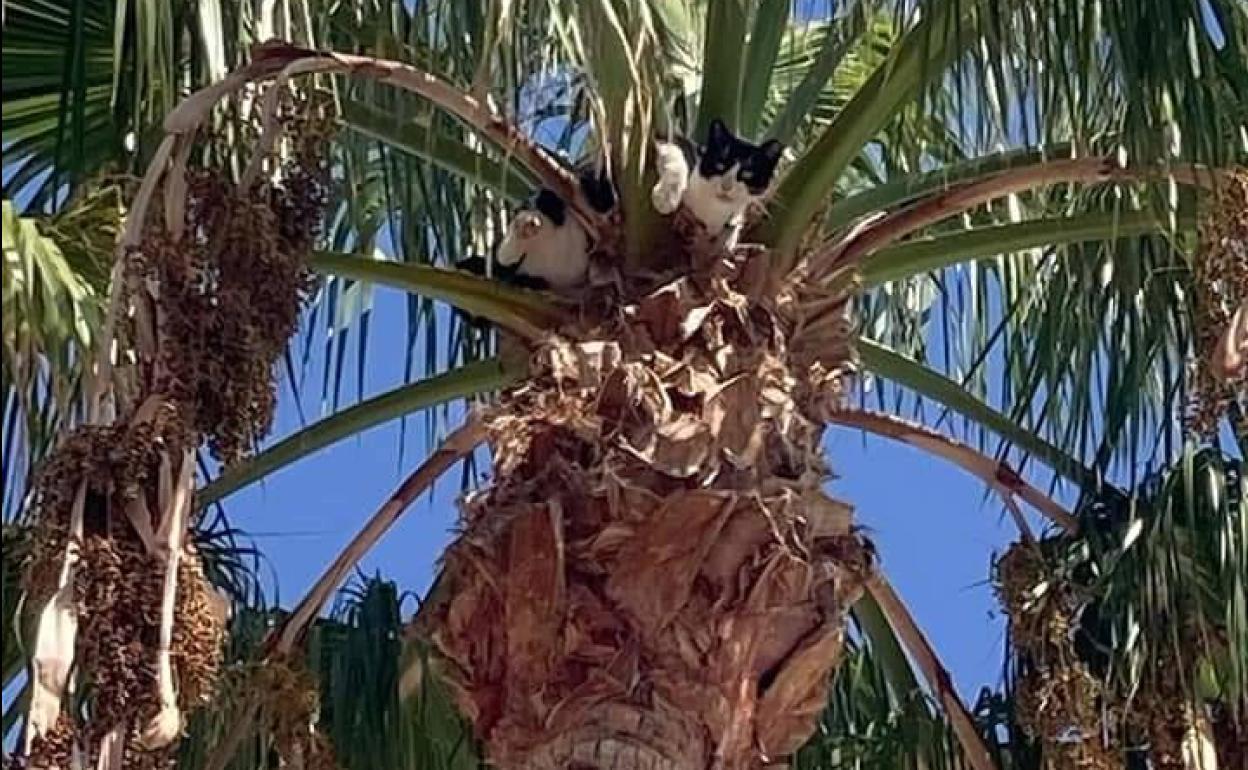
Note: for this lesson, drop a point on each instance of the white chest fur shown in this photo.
(718, 202)
(715, 202)
(559, 255)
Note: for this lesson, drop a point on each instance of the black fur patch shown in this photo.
(599, 190)
(508, 274)
(551, 206)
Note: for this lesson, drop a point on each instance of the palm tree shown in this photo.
(655, 574)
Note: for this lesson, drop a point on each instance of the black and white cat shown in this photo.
(716, 182)
(545, 247)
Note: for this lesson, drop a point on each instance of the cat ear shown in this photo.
(717, 133)
(771, 150)
(551, 205)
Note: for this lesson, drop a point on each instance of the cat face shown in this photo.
(736, 168)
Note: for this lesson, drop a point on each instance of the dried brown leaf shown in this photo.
(655, 571)
(734, 550)
(826, 516)
(789, 707)
(733, 414)
(535, 596)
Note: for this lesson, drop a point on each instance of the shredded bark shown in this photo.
(655, 578)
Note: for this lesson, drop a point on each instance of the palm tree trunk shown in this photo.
(655, 579)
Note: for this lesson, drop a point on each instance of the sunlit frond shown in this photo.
(55, 282)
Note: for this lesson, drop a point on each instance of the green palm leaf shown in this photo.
(724, 39)
(911, 374)
(55, 279)
(449, 153)
(523, 311)
(934, 253)
(469, 380)
(917, 58)
(771, 21)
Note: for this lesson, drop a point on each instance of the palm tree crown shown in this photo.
(1027, 215)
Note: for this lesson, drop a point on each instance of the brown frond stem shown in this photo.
(288, 61)
(1020, 521)
(937, 676)
(854, 247)
(995, 473)
(163, 728)
(457, 446)
(101, 376)
(461, 443)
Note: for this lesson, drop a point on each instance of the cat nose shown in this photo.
(727, 184)
(528, 225)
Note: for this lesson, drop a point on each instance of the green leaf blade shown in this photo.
(471, 379)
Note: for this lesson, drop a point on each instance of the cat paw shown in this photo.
(666, 197)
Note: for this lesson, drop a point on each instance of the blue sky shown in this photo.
(934, 528)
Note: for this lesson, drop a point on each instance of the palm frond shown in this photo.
(918, 57)
(509, 179)
(868, 725)
(85, 83)
(767, 37)
(1153, 585)
(804, 79)
(1166, 568)
(469, 380)
(55, 281)
(930, 384)
(1082, 342)
(524, 312)
(727, 23)
(353, 657)
(934, 253)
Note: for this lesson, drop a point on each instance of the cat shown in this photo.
(544, 246)
(728, 174)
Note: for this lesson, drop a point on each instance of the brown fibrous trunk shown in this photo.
(655, 578)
